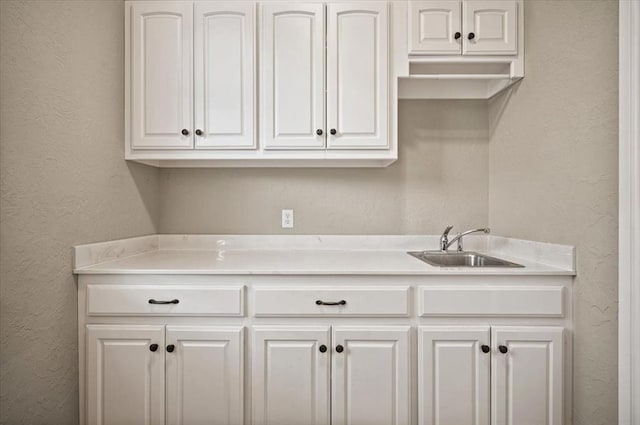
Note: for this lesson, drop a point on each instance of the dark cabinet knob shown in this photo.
(503, 349)
(153, 347)
(471, 36)
(323, 348)
(170, 348)
(319, 132)
(457, 35)
(199, 132)
(333, 131)
(485, 348)
(185, 132)
(339, 348)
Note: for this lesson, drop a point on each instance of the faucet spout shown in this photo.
(446, 243)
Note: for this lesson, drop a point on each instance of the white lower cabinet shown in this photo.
(324, 353)
(369, 366)
(128, 365)
(527, 374)
(453, 375)
(204, 375)
(125, 374)
(476, 375)
(371, 383)
(290, 375)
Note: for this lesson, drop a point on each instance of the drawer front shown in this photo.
(533, 301)
(372, 301)
(146, 300)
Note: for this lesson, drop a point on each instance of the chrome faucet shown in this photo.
(445, 243)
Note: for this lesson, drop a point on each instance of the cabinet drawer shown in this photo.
(534, 301)
(141, 300)
(373, 301)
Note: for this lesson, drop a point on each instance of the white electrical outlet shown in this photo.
(287, 219)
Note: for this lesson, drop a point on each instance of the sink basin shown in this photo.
(461, 259)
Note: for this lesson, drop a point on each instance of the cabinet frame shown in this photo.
(239, 153)
(250, 321)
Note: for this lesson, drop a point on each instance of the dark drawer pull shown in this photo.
(320, 302)
(152, 301)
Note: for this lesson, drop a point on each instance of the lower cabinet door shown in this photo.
(290, 375)
(370, 368)
(125, 374)
(527, 375)
(204, 375)
(453, 375)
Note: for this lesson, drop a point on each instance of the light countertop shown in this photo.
(309, 255)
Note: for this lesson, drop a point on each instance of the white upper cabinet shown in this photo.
(161, 75)
(473, 27)
(292, 84)
(224, 75)
(462, 49)
(125, 374)
(204, 369)
(435, 27)
(357, 75)
(261, 84)
(490, 27)
(527, 376)
(370, 369)
(454, 375)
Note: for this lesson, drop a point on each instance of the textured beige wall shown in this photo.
(63, 182)
(441, 178)
(553, 174)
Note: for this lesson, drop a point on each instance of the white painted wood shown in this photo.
(269, 159)
(527, 381)
(224, 55)
(454, 300)
(125, 379)
(629, 206)
(495, 25)
(357, 75)
(205, 375)
(161, 68)
(290, 376)
(372, 301)
(370, 378)
(133, 300)
(293, 72)
(432, 27)
(453, 375)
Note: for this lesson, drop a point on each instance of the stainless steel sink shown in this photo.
(461, 259)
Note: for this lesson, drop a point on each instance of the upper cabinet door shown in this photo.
(290, 375)
(125, 374)
(453, 375)
(204, 375)
(357, 75)
(292, 84)
(224, 51)
(161, 77)
(527, 375)
(490, 27)
(370, 369)
(435, 28)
